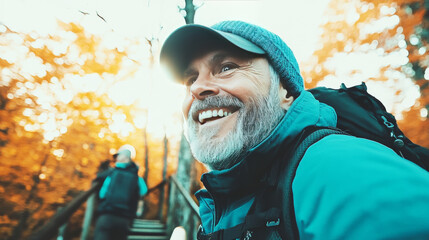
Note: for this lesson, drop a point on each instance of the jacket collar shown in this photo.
(127, 165)
(245, 175)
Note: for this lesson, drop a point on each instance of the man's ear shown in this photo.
(286, 100)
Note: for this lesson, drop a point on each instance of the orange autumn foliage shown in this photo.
(386, 30)
(55, 129)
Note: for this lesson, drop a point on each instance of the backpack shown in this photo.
(123, 193)
(360, 114)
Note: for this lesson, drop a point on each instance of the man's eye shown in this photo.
(227, 67)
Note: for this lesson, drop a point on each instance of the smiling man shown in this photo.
(220, 106)
(245, 112)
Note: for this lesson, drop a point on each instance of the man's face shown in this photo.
(229, 105)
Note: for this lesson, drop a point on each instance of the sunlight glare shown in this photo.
(58, 152)
(385, 10)
(352, 16)
(14, 53)
(120, 125)
(424, 113)
(379, 25)
(28, 112)
(63, 130)
(140, 121)
(112, 151)
(6, 76)
(414, 40)
(166, 99)
(86, 83)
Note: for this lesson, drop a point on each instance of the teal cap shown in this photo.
(191, 40)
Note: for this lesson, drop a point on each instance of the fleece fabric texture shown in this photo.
(345, 187)
(277, 51)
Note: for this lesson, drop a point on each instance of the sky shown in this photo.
(297, 22)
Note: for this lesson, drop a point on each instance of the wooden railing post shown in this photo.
(164, 178)
(87, 219)
(161, 203)
(195, 225)
(171, 206)
(186, 216)
(183, 211)
(49, 230)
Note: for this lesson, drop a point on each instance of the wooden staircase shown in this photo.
(147, 230)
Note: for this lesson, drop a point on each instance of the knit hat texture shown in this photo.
(278, 53)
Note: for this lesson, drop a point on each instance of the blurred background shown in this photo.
(78, 79)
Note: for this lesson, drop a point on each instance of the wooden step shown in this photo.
(148, 225)
(135, 237)
(147, 229)
(146, 221)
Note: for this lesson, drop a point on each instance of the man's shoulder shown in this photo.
(343, 150)
(343, 159)
(355, 180)
(342, 146)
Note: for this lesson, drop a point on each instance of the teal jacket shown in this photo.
(345, 187)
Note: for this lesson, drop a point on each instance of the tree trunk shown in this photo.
(146, 155)
(89, 213)
(185, 164)
(164, 178)
(190, 11)
(164, 170)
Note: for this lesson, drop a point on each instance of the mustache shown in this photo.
(215, 102)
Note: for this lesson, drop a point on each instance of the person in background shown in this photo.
(119, 196)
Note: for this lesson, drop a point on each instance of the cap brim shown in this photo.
(189, 41)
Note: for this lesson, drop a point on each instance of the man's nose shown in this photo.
(204, 87)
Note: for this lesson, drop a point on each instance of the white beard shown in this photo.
(255, 122)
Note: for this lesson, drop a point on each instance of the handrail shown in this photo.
(49, 229)
(186, 195)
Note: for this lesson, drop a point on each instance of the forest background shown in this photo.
(77, 86)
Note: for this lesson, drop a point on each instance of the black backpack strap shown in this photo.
(289, 229)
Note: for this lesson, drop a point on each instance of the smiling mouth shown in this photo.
(212, 114)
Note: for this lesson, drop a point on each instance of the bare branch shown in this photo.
(196, 7)
(102, 18)
(8, 30)
(84, 13)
